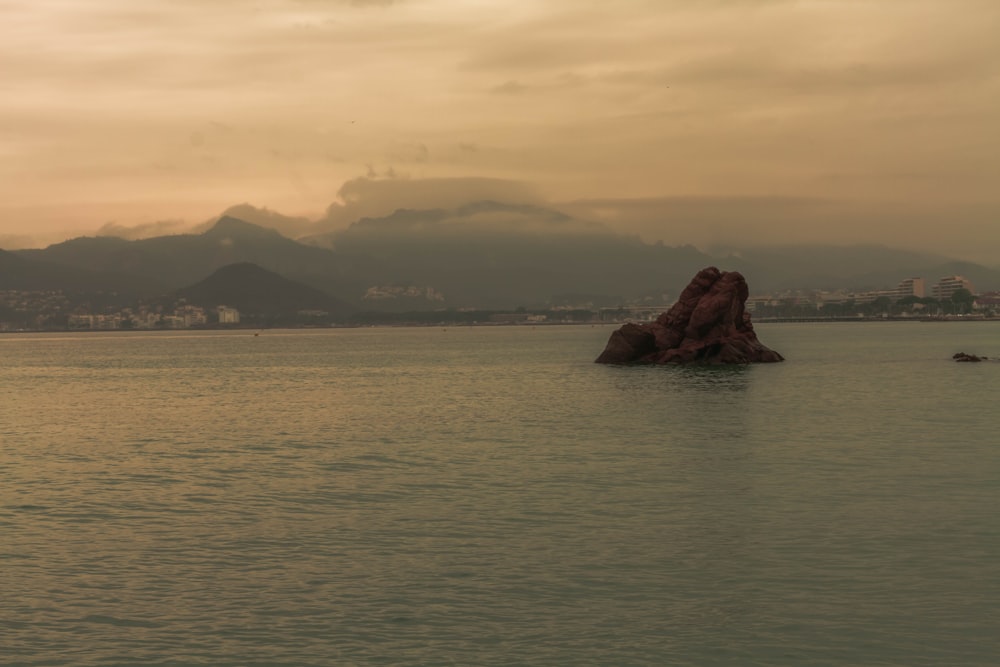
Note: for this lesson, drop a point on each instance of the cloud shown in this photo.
(16, 241)
(405, 152)
(967, 230)
(478, 219)
(768, 71)
(352, 3)
(142, 231)
(510, 88)
(374, 197)
(176, 108)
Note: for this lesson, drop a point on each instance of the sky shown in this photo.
(705, 122)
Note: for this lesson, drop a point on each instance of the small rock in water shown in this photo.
(707, 325)
(962, 356)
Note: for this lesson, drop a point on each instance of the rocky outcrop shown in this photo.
(707, 325)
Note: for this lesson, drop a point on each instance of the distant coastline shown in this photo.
(457, 324)
(940, 318)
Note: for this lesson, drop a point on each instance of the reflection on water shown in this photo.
(694, 403)
(717, 377)
(670, 378)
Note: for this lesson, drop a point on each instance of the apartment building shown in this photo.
(948, 285)
(910, 287)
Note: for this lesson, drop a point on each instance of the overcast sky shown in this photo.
(682, 120)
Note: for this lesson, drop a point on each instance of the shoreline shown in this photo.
(425, 325)
(942, 318)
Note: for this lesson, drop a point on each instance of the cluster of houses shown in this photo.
(913, 290)
(34, 301)
(385, 292)
(183, 316)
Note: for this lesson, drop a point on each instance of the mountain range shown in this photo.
(486, 254)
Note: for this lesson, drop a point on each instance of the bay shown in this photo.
(489, 496)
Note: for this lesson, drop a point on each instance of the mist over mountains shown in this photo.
(481, 254)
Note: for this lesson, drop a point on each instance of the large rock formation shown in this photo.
(707, 325)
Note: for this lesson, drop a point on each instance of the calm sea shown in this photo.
(489, 496)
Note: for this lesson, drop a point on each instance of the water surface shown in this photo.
(489, 496)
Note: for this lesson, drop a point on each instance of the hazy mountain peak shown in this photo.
(288, 225)
(229, 226)
(242, 273)
(403, 217)
(477, 217)
(252, 288)
(493, 206)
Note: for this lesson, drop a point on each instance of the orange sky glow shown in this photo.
(688, 122)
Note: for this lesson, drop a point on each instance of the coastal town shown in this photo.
(912, 298)
(52, 311)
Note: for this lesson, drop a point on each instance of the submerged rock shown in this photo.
(707, 325)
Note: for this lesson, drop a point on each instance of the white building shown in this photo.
(228, 315)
